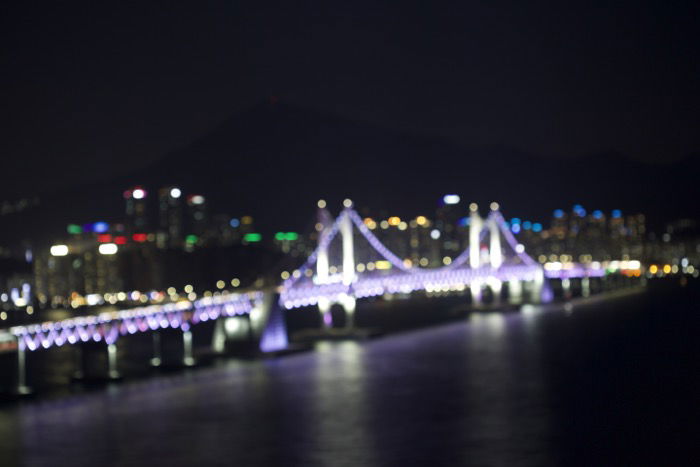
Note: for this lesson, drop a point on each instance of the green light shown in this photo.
(74, 229)
(191, 239)
(252, 237)
(289, 236)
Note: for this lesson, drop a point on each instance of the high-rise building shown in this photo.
(171, 219)
(447, 218)
(136, 212)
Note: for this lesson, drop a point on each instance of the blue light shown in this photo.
(235, 223)
(616, 213)
(558, 213)
(537, 227)
(515, 228)
(515, 220)
(527, 225)
(463, 222)
(598, 214)
(100, 227)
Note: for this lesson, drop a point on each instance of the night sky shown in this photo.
(96, 90)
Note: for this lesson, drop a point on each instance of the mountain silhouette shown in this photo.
(275, 160)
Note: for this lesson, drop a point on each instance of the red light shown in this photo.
(139, 237)
(127, 194)
(104, 238)
(120, 240)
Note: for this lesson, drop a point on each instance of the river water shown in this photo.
(602, 381)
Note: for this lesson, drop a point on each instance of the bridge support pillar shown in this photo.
(218, 340)
(515, 291)
(21, 387)
(566, 288)
(496, 287)
(541, 291)
(585, 287)
(90, 361)
(324, 307)
(78, 370)
(475, 288)
(157, 358)
(274, 337)
(112, 370)
(187, 354)
(349, 305)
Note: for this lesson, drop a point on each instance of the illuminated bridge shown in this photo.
(312, 285)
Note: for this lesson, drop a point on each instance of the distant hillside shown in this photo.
(275, 161)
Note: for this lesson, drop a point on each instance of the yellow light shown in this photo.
(246, 220)
(667, 268)
(653, 269)
(284, 275)
(394, 220)
(421, 220)
(446, 260)
(235, 282)
(220, 284)
(382, 265)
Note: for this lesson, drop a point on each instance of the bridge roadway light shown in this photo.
(347, 203)
(321, 203)
(175, 193)
(494, 206)
(473, 207)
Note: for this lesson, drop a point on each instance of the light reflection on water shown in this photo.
(493, 389)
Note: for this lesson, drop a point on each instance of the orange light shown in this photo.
(421, 220)
(394, 220)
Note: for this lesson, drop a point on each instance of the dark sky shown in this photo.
(95, 89)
